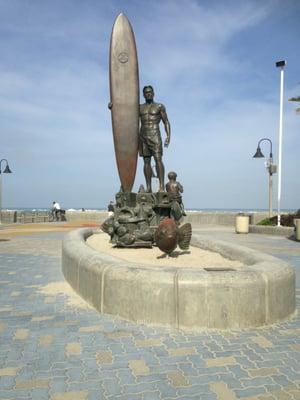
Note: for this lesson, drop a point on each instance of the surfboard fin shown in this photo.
(185, 235)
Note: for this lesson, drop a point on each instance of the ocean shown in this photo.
(204, 210)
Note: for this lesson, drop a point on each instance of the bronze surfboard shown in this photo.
(124, 95)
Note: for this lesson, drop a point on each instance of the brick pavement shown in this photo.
(52, 346)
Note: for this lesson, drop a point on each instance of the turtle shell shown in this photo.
(166, 235)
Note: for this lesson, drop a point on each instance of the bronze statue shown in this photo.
(151, 114)
(174, 188)
(168, 235)
(137, 216)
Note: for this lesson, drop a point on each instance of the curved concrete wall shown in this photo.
(194, 217)
(260, 293)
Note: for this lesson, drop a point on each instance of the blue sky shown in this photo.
(212, 64)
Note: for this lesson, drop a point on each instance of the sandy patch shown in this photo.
(59, 288)
(193, 258)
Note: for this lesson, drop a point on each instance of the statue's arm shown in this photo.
(166, 122)
(180, 187)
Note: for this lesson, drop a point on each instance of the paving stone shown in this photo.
(91, 329)
(139, 367)
(73, 349)
(177, 379)
(263, 372)
(151, 395)
(39, 394)
(7, 382)
(203, 379)
(112, 386)
(166, 390)
(57, 385)
(125, 376)
(188, 369)
(237, 371)
(36, 331)
(222, 391)
(214, 362)
(46, 340)
(231, 382)
(74, 374)
(193, 390)
(118, 334)
(21, 334)
(295, 393)
(104, 357)
(132, 396)
(81, 395)
(32, 383)
(281, 380)
(249, 392)
(150, 378)
(139, 388)
(258, 381)
(8, 371)
(262, 341)
(15, 395)
(42, 318)
(182, 351)
(282, 395)
(149, 342)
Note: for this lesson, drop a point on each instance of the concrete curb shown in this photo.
(263, 292)
(272, 230)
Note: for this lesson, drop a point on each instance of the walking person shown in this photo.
(55, 210)
(110, 209)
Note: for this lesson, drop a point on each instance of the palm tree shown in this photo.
(298, 100)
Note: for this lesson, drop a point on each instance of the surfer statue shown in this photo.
(140, 219)
(150, 145)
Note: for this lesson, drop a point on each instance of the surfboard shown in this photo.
(124, 95)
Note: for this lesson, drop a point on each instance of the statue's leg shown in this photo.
(148, 173)
(160, 170)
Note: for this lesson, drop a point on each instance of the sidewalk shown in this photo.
(53, 346)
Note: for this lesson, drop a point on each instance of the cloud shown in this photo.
(202, 60)
(195, 37)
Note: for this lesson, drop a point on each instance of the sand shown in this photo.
(192, 258)
(63, 288)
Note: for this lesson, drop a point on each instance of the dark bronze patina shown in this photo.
(168, 235)
(174, 188)
(151, 114)
(144, 218)
(124, 96)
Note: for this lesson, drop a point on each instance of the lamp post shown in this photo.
(281, 65)
(6, 171)
(271, 168)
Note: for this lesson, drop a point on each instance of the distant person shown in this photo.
(56, 210)
(110, 209)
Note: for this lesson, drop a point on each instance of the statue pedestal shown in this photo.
(137, 216)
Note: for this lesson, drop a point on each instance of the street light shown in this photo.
(271, 168)
(281, 65)
(7, 170)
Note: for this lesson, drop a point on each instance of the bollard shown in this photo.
(242, 223)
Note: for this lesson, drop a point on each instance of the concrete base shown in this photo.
(263, 292)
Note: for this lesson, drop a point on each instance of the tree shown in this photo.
(298, 100)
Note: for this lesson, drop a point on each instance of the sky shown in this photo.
(211, 63)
